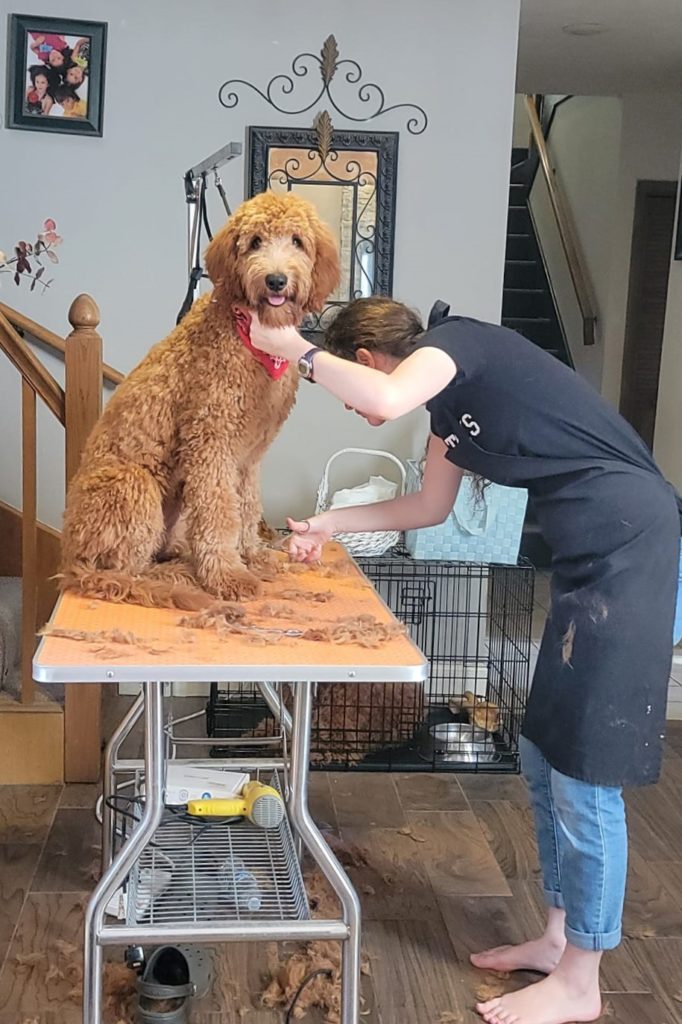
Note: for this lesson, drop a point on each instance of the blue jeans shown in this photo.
(583, 846)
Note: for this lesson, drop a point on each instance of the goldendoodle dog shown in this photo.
(181, 441)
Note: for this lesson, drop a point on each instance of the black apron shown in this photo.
(516, 416)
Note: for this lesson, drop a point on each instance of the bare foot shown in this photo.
(541, 955)
(554, 1000)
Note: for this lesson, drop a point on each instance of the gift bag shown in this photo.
(482, 527)
(677, 629)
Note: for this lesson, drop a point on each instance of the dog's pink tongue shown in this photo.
(276, 300)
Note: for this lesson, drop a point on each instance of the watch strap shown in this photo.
(308, 359)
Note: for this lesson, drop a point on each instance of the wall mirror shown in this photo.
(350, 177)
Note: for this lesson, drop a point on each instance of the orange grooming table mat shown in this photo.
(163, 650)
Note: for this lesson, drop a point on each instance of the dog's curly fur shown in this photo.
(166, 502)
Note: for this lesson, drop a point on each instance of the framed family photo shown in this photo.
(55, 74)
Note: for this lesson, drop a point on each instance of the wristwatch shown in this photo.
(305, 364)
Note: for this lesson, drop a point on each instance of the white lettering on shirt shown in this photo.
(470, 423)
(452, 441)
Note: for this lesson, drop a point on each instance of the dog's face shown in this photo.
(274, 256)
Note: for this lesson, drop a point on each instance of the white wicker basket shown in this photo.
(361, 543)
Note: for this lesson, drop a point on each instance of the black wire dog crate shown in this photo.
(473, 623)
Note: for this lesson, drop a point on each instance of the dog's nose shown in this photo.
(276, 282)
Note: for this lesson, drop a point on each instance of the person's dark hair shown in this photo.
(73, 64)
(38, 69)
(64, 92)
(379, 324)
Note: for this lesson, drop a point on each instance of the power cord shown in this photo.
(306, 981)
(180, 813)
(190, 819)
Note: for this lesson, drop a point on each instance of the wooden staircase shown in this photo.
(41, 739)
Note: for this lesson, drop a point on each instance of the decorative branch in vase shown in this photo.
(26, 255)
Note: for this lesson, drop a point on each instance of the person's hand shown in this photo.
(285, 342)
(308, 538)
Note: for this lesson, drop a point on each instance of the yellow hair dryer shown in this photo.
(261, 804)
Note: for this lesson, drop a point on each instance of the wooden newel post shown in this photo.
(83, 406)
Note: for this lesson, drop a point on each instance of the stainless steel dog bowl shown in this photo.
(458, 743)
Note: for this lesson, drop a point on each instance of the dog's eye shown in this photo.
(256, 242)
(297, 242)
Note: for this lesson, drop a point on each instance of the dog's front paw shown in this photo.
(235, 585)
(262, 561)
(175, 549)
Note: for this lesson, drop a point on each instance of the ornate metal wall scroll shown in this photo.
(328, 63)
(350, 176)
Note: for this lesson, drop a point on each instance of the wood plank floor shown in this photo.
(449, 866)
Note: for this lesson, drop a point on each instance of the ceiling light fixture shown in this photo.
(585, 28)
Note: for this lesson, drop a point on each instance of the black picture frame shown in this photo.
(678, 230)
(260, 140)
(22, 93)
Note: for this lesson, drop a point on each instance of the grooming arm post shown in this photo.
(195, 186)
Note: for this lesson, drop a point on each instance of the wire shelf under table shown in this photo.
(187, 874)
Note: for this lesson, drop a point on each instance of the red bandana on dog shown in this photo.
(275, 365)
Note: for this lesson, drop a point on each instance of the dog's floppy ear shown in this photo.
(221, 261)
(326, 272)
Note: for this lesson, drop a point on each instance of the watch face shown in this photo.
(304, 367)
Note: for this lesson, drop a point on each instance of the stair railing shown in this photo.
(45, 338)
(570, 242)
(77, 407)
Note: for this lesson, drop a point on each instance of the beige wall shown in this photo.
(584, 149)
(601, 147)
(650, 149)
(521, 131)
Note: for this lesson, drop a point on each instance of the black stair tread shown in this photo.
(525, 288)
(527, 319)
(526, 291)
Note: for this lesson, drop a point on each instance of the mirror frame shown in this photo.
(261, 140)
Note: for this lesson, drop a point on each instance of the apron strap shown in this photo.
(439, 311)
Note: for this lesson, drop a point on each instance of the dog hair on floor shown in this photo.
(165, 505)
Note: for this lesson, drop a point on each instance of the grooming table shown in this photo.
(165, 652)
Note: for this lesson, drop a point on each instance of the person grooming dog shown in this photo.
(503, 409)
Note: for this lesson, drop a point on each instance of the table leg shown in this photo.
(281, 715)
(111, 753)
(314, 841)
(118, 870)
(271, 698)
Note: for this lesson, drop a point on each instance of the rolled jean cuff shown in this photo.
(594, 941)
(554, 899)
